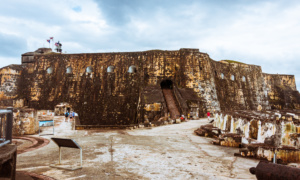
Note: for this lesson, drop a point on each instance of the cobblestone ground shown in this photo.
(164, 152)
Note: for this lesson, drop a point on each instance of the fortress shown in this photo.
(130, 87)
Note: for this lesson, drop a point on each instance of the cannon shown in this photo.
(270, 171)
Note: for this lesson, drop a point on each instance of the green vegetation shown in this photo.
(232, 61)
(156, 50)
(53, 53)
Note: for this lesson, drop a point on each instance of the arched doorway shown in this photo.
(61, 108)
(228, 123)
(253, 129)
(166, 84)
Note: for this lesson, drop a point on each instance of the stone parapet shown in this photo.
(8, 161)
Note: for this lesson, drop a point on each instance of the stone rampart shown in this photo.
(125, 88)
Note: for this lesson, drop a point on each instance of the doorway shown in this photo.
(166, 84)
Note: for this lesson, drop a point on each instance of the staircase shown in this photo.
(171, 103)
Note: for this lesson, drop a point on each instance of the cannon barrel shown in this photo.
(266, 170)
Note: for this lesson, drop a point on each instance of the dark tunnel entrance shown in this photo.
(166, 84)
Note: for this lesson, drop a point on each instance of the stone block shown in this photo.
(25, 122)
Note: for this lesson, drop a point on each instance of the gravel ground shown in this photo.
(164, 152)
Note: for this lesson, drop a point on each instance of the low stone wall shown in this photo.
(25, 121)
(45, 114)
(258, 134)
(279, 127)
(8, 160)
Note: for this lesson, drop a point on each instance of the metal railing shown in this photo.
(6, 124)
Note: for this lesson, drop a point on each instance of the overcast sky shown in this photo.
(260, 32)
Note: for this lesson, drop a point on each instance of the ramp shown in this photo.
(171, 103)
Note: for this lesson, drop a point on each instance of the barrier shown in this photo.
(46, 123)
(6, 124)
(8, 151)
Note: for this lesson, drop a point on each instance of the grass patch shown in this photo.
(232, 61)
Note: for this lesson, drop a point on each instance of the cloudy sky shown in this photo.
(260, 32)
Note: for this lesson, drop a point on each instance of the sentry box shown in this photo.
(68, 143)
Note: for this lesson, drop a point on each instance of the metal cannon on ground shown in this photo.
(267, 171)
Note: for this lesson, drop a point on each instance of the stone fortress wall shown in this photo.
(9, 77)
(126, 87)
(282, 91)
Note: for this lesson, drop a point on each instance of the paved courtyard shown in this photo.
(164, 152)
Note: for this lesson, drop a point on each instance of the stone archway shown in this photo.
(61, 108)
(166, 84)
(253, 129)
(228, 123)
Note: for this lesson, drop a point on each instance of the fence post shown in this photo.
(9, 124)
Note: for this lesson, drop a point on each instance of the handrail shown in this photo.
(5, 111)
(179, 99)
(5, 142)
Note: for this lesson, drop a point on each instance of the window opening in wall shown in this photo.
(110, 69)
(222, 75)
(69, 70)
(89, 69)
(244, 79)
(50, 70)
(232, 77)
(132, 69)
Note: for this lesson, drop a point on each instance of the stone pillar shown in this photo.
(259, 132)
(231, 125)
(247, 129)
(225, 121)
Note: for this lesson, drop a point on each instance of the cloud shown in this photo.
(11, 45)
(77, 9)
(257, 32)
(5, 61)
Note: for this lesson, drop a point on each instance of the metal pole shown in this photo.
(53, 126)
(5, 142)
(81, 157)
(274, 158)
(1, 136)
(59, 155)
(9, 124)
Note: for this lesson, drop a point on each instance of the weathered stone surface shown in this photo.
(262, 133)
(25, 121)
(9, 77)
(125, 88)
